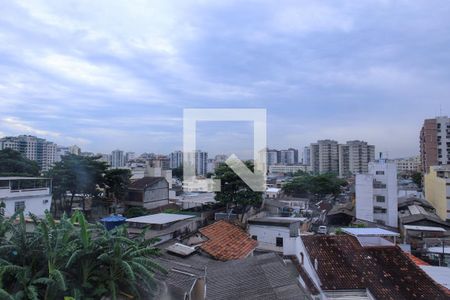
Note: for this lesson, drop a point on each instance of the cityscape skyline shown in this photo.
(127, 83)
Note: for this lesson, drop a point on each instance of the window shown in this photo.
(279, 242)
(255, 237)
(19, 206)
(379, 172)
(379, 210)
(380, 199)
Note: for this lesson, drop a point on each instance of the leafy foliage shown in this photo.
(78, 175)
(72, 259)
(417, 178)
(117, 181)
(12, 163)
(234, 191)
(319, 185)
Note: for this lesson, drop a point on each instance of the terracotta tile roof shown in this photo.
(386, 272)
(226, 241)
(417, 260)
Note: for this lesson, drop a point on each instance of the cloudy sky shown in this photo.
(118, 74)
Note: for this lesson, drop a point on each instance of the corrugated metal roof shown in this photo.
(159, 219)
(424, 228)
(369, 232)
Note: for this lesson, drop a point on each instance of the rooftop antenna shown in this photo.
(440, 109)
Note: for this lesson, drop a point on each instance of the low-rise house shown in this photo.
(272, 232)
(30, 194)
(365, 263)
(163, 226)
(148, 192)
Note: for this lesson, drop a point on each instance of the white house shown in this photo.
(376, 193)
(30, 194)
(273, 232)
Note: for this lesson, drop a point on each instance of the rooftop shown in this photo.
(274, 221)
(226, 241)
(343, 264)
(424, 228)
(369, 232)
(144, 182)
(22, 178)
(159, 219)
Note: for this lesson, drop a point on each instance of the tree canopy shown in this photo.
(72, 258)
(78, 175)
(117, 181)
(234, 191)
(319, 185)
(12, 163)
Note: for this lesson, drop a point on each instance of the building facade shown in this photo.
(33, 148)
(435, 142)
(408, 165)
(289, 156)
(354, 158)
(437, 190)
(376, 193)
(307, 156)
(325, 157)
(117, 159)
(176, 159)
(28, 194)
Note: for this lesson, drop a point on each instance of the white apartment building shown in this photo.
(287, 169)
(273, 157)
(200, 160)
(307, 156)
(376, 193)
(117, 159)
(30, 194)
(289, 156)
(325, 157)
(354, 157)
(33, 148)
(176, 159)
(408, 165)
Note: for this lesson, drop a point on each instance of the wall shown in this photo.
(268, 234)
(35, 205)
(156, 195)
(436, 193)
(364, 197)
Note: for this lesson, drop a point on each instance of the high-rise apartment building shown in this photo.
(408, 165)
(325, 157)
(200, 159)
(117, 159)
(273, 157)
(435, 142)
(289, 156)
(354, 157)
(129, 156)
(307, 156)
(176, 159)
(33, 148)
(376, 193)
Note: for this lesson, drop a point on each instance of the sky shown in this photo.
(118, 74)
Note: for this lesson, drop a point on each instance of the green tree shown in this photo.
(317, 185)
(72, 258)
(77, 175)
(12, 163)
(116, 183)
(417, 178)
(178, 173)
(234, 191)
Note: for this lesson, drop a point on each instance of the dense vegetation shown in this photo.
(12, 163)
(303, 184)
(73, 259)
(88, 177)
(234, 191)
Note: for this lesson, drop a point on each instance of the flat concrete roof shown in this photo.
(160, 219)
(21, 178)
(369, 232)
(424, 228)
